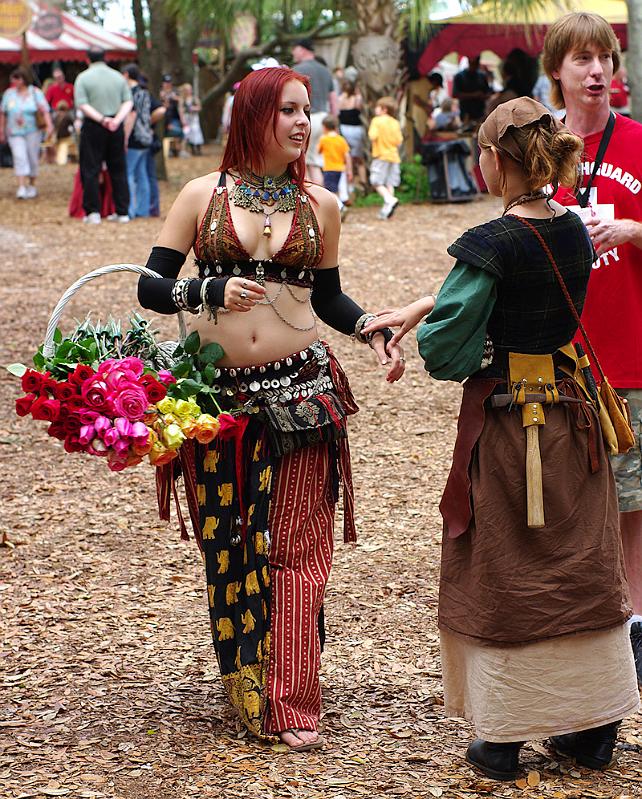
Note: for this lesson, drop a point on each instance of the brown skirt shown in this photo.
(504, 583)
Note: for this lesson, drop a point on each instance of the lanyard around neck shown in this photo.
(582, 195)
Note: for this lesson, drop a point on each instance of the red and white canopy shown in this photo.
(75, 37)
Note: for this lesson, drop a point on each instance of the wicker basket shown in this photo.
(166, 348)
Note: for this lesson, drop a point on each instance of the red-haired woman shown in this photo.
(266, 247)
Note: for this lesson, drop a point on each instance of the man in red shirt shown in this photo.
(581, 53)
(60, 90)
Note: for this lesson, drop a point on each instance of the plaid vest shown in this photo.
(530, 314)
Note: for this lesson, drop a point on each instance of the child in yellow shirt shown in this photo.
(335, 151)
(385, 172)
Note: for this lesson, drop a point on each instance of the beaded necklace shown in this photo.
(525, 198)
(256, 192)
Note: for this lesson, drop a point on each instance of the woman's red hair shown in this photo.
(256, 106)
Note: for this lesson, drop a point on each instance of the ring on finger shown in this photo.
(243, 295)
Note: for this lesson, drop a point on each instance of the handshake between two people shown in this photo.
(404, 319)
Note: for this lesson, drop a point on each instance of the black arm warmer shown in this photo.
(156, 293)
(334, 307)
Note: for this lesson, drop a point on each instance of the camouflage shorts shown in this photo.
(628, 468)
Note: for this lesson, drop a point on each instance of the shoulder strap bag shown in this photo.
(613, 410)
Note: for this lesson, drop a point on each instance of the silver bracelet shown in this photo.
(180, 292)
(361, 322)
(211, 311)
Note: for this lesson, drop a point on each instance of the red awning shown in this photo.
(75, 39)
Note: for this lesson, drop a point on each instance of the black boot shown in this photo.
(497, 761)
(591, 748)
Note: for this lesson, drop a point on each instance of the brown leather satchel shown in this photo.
(613, 410)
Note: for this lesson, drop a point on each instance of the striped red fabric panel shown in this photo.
(301, 525)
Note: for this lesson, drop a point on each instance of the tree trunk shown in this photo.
(634, 57)
(141, 35)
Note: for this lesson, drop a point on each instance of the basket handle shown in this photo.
(48, 346)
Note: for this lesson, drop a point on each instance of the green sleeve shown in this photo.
(451, 339)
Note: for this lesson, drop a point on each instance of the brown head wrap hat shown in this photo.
(499, 127)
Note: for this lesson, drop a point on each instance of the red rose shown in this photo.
(75, 403)
(155, 391)
(32, 380)
(57, 430)
(23, 404)
(72, 424)
(64, 391)
(47, 387)
(96, 394)
(46, 410)
(81, 373)
(72, 444)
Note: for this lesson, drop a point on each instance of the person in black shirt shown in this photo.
(471, 88)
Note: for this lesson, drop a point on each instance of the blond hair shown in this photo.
(574, 32)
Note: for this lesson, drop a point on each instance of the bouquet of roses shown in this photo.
(119, 408)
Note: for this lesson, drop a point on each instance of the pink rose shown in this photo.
(166, 377)
(134, 365)
(102, 425)
(111, 436)
(121, 446)
(124, 427)
(96, 394)
(87, 434)
(131, 403)
(140, 432)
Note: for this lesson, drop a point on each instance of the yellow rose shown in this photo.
(207, 428)
(194, 407)
(183, 409)
(188, 426)
(166, 405)
(172, 436)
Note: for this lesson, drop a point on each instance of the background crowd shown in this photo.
(355, 146)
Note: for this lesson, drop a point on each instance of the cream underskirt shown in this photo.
(550, 687)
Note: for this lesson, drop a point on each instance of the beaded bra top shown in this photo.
(219, 251)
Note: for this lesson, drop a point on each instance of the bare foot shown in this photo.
(297, 738)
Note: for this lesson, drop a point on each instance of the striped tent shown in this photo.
(55, 35)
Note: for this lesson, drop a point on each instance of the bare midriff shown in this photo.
(259, 336)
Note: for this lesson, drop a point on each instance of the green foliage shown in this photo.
(414, 181)
(91, 343)
(414, 187)
(93, 10)
(195, 373)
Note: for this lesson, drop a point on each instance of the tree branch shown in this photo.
(237, 67)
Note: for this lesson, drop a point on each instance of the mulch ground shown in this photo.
(109, 682)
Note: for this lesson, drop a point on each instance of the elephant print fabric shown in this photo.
(237, 568)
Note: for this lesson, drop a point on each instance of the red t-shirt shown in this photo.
(613, 310)
(57, 92)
